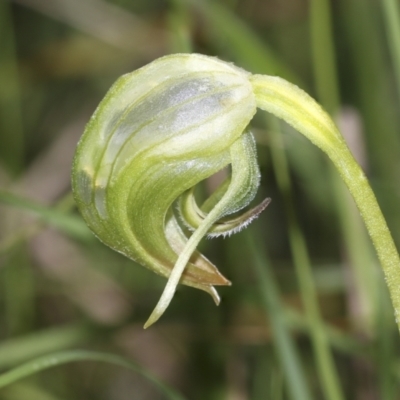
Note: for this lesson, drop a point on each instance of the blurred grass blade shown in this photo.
(386, 345)
(11, 130)
(27, 391)
(391, 14)
(324, 361)
(179, 24)
(56, 359)
(107, 22)
(339, 340)
(373, 90)
(240, 43)
(285, 347)
(70, 224)
(17, 282)
(323, 56)
(355, 240)
(25, 347)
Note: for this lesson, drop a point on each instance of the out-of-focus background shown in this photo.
(308, 314)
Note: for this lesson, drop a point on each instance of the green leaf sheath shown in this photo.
(293, 105)
(161, 130)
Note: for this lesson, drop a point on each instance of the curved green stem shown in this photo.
(293, 105)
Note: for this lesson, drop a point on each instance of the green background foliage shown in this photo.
(307, 316)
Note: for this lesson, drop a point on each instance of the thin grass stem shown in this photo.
(285, 347)
(391, 14)
(324, 361)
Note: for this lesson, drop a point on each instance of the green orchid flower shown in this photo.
(164, 128)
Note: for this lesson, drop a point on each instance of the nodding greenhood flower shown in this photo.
(161, 130)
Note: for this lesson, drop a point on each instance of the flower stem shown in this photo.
(293, 105)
